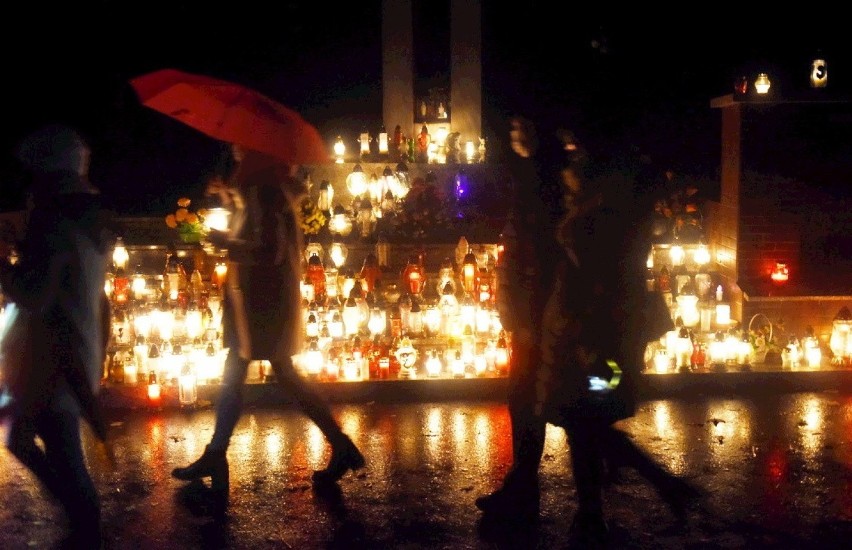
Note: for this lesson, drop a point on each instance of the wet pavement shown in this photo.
(776, 471)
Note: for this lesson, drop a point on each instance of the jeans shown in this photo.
(230, 405)
(61, 466)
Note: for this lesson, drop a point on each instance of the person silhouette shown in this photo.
(58, 287)
(525, 276)
(595, 328)
(262, 310)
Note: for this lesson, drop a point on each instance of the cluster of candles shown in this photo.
(436, 147)
(166, 330)
(684, 350)
(705, 333)
(365, 327)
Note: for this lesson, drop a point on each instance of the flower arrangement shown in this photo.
(311, 218)
(764, 338)
(190, 225)
(425, 213)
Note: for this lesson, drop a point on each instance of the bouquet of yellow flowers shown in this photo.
(311, 218)
(190, 225)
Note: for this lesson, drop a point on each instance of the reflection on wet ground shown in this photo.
(776, 470)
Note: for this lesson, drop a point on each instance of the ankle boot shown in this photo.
(212, 464)
(345, 456)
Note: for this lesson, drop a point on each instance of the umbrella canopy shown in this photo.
(233, 113)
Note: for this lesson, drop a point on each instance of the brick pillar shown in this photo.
(397, 65)
(466, 69)
(726, 223)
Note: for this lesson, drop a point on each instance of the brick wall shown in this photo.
(792, 316)
(767, 235)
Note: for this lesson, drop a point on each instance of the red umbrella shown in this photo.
(233, 113)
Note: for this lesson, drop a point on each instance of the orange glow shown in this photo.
(780, 274)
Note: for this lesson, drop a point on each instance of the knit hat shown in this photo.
(57, 150)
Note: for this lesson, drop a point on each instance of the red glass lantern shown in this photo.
(370, 272)
(469, 271)
(413, 276)
(780, 274)
(120, 287)
(154, 389)
(316, 275)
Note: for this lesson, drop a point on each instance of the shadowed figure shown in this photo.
(596, 325)
(524, 275)
(262, 309)
(53, 354)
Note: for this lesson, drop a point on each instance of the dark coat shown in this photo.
(59, 284)
(263, 318)
(596, 310)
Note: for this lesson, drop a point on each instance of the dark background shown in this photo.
(623, 80)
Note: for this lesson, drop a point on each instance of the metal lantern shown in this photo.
(433, 364)
(402, 181)
(382, 250)
(364, 140)
(138, 284)
(365, 217)
(383, 141)
(812, 350)
(356, 181)
(119, 254)
(701, 256)
(470, 151)
(326, 195)
(340, 223)
(313, 248)
(339, 150)
(762, 83)
(840, 342)
(677, 254)
(687, 305)
(313, 358)
(501, 357)
(338, 252)
(469, 271)
(819, 73)
(390, 182)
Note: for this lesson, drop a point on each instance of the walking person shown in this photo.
(262, 309)
(524, 272)
(57, 287)
(596, 326)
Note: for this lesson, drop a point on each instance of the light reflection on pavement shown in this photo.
(776, 470)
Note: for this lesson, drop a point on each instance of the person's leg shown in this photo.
(21, 443)
(214, 463)
(519, 494)
(60, 432)
(229, 406)
(345, 455)
(589, 524)
(677, 493)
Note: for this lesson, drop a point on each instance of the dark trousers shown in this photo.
(528, 429)
(230, 404)
(595, 443)
(61, 466)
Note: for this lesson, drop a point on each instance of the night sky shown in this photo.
(639, 80)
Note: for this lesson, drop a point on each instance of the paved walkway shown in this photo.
(758, 380)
